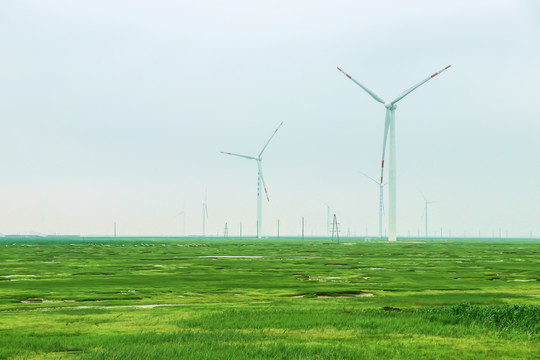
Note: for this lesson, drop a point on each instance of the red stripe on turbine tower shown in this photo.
(434, 74)
(349, 76)
(339, 69)
(447, 67)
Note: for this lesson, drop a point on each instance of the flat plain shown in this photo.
(161, 298)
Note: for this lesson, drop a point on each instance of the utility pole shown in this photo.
(278, 229)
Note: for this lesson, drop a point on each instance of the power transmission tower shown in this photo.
(335, 229)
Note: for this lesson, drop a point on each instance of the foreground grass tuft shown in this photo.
(505, 318)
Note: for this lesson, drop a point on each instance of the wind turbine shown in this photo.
(389, 129)
(381, 186)
(426, 210)
(328, 209)
(258, 159)
(204, 214)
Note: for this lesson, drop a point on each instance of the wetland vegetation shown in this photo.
(268, 299)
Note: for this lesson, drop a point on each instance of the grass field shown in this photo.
(279, 299)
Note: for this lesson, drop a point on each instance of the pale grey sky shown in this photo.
(116, 111)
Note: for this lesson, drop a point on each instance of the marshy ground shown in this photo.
(269, 299)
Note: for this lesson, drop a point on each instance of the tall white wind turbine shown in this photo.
(390, 129)
(258, 159)
(381, 186)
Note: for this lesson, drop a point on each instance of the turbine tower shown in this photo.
(258, 159)
(381, 186)
(390, 129)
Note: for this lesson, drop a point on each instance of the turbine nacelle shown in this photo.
(390, 106)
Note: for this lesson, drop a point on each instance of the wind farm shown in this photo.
(133, 227)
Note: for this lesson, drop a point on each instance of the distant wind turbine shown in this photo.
(204, 214)
(381, 186)
(328, 210)
(258, 159)
(389, 128)
(426, 210)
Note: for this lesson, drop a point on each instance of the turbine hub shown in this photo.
(388, 105)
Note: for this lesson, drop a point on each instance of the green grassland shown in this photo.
(268, 299)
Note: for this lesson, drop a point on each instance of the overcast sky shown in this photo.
(116, 111)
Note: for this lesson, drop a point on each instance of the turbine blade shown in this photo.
(265, 145)
(371, 93)
(370, 178)
(242, 156)
(386, 127)
(262, 179)
(409, 90)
